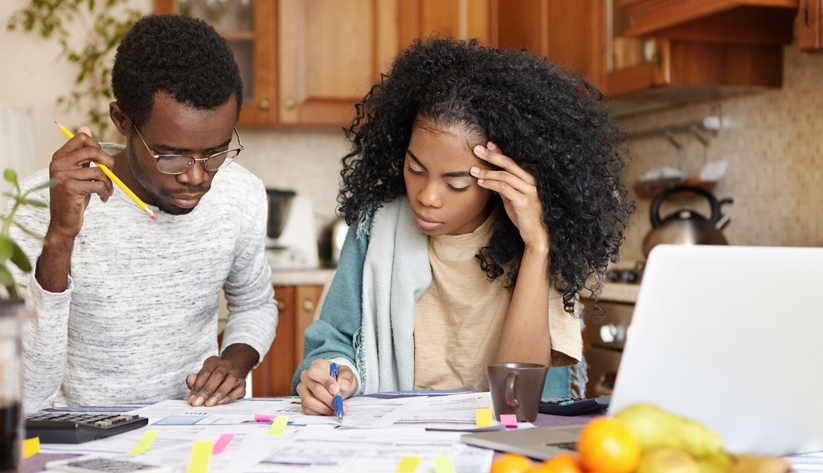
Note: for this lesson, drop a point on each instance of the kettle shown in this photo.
(686, 227)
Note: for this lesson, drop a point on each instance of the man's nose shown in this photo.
(196, 175)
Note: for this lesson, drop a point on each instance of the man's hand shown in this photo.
(222, 380)
(317, 388)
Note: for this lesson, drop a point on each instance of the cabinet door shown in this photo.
(330, 53)
(461, 19)
(249, 27)
(273, 375)
(306, 299)
(810, 25)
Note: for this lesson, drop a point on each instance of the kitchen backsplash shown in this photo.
(773, 142)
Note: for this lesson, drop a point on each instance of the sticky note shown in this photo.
(408, 465)
(509, 420)
(31, 447)
(278, 425)
(443, 464)
(484, 417)
(144, 443)
(200, 456)
(222, 443)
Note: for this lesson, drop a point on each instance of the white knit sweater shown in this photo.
(140, 310)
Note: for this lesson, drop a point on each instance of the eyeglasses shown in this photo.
(178, 163)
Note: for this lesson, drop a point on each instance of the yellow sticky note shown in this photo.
(443, 464)
(200, 456)
(408, 465)
(144, 442)
(31, 447)
(278, 425)
(484, 417)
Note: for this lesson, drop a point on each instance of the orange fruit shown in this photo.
(607, 445)
(543, 468)
(563, 463)
(511, 463)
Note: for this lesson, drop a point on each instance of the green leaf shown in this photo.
(6, 279)
(6, 248)
(47, 184)
(10, 176)
(20, 259)
(35, 203)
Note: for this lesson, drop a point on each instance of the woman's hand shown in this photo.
(317, 388)
(518, 190)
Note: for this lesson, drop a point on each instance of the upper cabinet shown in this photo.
(810, 28)
(249, 27)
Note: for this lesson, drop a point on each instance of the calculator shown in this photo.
(78, 428)
(572, 406)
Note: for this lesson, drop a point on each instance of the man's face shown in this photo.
(175, 128)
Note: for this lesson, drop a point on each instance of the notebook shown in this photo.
(729, 336)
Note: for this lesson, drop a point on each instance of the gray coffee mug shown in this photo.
(516, 388)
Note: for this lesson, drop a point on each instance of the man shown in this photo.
(125, 306)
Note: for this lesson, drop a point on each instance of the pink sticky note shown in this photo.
(263, 418)
(509, 420)
(222, 443)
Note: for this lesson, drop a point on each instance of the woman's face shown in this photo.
(442, 193)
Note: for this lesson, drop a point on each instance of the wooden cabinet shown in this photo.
(296, 306)
(810, 25)
(250, 28)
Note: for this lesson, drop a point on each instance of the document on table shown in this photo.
(364, 412)
(455, 412)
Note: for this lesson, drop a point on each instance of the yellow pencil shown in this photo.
(115, 179)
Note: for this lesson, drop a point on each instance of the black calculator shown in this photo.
(572, 406)
(78, 428)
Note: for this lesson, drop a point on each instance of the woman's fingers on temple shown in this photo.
(491, 154)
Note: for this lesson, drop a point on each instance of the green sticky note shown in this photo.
(278, 425)
(484, 417)
(408, 465)
(144, 443)
(443, 464)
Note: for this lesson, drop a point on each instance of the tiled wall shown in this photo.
(773, 142)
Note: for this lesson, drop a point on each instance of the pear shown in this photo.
(758, 464)
(667, 460)
(656, 428)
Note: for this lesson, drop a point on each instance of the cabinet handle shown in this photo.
(281, 305)
(265, 105)
(308, 304)
(290, 103)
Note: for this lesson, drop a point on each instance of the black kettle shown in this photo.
(686, 227)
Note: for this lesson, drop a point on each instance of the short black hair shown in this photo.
(549, 122)
(182, 56)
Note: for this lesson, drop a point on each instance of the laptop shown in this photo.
(728, 336)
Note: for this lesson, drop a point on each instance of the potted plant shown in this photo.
(11, 309)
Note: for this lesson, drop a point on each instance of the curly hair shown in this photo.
(550, 123)
(182, 56)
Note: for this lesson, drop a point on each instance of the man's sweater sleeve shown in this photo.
(332, 335)
(252, 318)
(45, 330)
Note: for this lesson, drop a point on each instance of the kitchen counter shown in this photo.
(300, 277)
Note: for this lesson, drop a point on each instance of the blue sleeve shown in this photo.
(332, 334)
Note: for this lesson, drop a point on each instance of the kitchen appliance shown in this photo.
(291, 241)
(685, 226)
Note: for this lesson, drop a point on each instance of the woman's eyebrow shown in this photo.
(448, 174)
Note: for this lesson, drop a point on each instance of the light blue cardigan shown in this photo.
(368, 314)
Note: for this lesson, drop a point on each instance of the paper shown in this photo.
(278, 425)
(509, 420)
(144, 443)
(200, 456)
(408, 465)
(456, 412)
(222, 443)
(31, 447)
(483, 417)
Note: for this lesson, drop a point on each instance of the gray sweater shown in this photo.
(140, 310)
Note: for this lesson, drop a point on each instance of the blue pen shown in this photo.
(338, 401)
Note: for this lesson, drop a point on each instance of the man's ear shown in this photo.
(120, 120)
